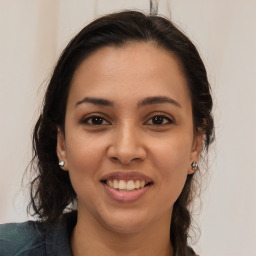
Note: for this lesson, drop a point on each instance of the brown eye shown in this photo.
(95, 120)
(159, 120)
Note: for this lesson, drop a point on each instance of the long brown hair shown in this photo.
(51, 189)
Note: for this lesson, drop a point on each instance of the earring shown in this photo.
(61, 164)
(194, 166)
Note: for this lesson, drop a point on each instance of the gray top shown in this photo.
(38, 239)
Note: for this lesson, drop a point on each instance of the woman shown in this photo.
(125, 118)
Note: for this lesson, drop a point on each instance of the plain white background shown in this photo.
(32, 35)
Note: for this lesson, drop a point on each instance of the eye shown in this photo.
(95, 120)
(159, 120)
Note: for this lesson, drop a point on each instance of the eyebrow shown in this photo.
(96, 101)
(158, 100)
(145, 102)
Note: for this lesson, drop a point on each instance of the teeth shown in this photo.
(122, 184)
(115, 184)
(130, 185)
(137, 184)
(142, 184)
(126, 185)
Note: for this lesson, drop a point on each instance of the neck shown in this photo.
(91, 238)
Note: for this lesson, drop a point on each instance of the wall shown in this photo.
(33, 33)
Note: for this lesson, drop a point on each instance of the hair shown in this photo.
(51, 190)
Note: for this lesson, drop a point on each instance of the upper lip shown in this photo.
(126, 175)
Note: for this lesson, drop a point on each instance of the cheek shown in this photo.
(172, 160)
(84, 150)
(85, 155)
(173, 152)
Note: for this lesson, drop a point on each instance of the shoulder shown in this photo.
(33, 238)
(22, 238)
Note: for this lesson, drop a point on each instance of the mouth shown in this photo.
(126, 185)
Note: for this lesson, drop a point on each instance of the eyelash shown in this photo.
(163, 117)
(86, 119)
(167, 119)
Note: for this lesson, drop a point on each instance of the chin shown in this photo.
(126, 223)
(137, 222)
(127, 228)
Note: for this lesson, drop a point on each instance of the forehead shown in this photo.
(135, 68)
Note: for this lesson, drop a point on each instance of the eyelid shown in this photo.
(97, 114)
(168, 116)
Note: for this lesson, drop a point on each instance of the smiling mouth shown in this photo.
(126, 186)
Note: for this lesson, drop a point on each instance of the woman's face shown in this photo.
(129, 141)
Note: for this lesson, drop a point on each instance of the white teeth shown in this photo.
(115, 184)
(137, 184)
(142, 184)
(126, 185)
(130, 185)
(122, 184)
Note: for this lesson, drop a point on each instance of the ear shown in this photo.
(61, 149)
(196, 150)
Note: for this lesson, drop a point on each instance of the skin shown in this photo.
(128, 139)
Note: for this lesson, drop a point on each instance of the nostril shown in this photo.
(125, 161)
(126, 154)
(114, 159)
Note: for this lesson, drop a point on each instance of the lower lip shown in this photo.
(125, 196)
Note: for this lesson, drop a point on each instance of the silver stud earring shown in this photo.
(194, 166)
(61, 163)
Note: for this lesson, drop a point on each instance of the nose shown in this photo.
(127, 145)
